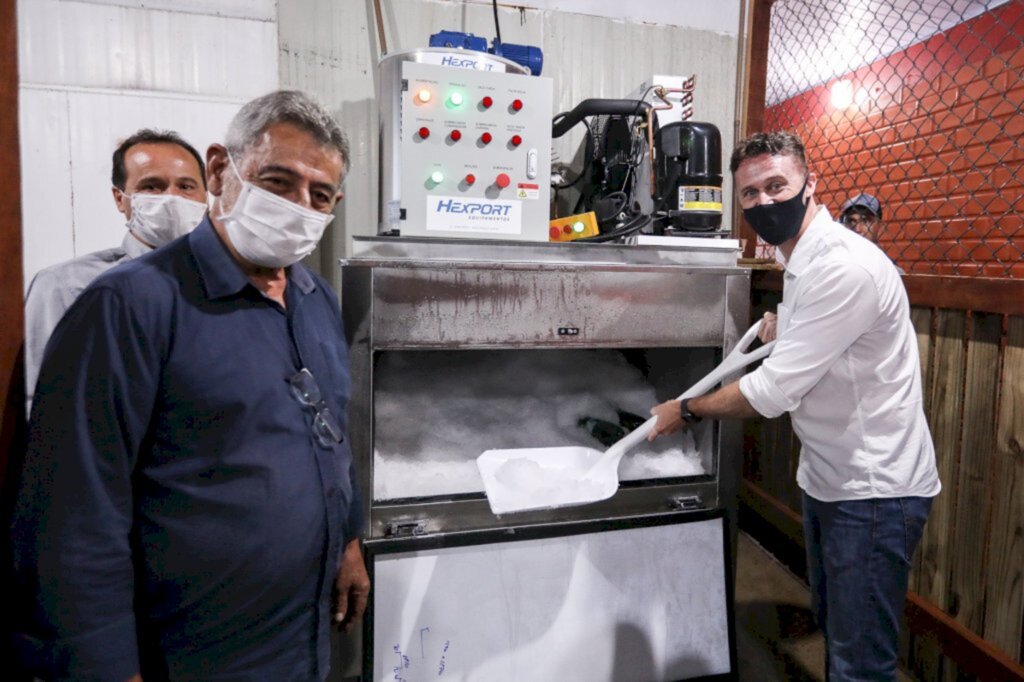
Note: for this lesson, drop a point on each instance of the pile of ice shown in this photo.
(435, 412)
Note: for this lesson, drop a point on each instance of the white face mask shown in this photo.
(161, 218)
(269, 230)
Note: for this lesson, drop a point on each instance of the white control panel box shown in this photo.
(474, 153)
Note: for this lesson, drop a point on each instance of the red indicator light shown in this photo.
(456, 135)
(502, 181)
(424, 132)
(487, 102)
(470, 179)
(486, 138)
(517, 104)
(516, 140)
(566, 229)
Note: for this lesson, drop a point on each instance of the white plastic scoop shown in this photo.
(522, 479)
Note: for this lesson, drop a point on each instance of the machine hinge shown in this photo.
(687, 502)
(404, 529)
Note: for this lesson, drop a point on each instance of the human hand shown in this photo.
(351, 588)
(768, 324)
(669, 420)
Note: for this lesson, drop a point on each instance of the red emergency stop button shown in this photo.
(486, 138)
(456, 135)
(486, 102)
(470, 179)
(516, 140)
(502, 181)
(424, 132)
(553, 232)
(517, 104)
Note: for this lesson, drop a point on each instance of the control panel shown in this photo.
(474, 154)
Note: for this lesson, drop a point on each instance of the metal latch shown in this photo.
(687, 502)
(403, 529)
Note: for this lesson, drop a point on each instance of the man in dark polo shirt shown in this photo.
(187, 505)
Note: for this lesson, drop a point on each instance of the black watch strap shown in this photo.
(685, 414)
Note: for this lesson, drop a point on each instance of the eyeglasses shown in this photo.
(307, 392)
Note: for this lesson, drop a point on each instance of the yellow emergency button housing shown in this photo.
(573, 227)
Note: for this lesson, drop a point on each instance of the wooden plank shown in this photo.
(980, 294)
(1004, 577)
(757, 83)
(974, 492)
(921, 318)
(974, 657)
(12, 331)
(945, 403)
(972, 654)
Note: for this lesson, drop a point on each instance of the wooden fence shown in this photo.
(966, 608)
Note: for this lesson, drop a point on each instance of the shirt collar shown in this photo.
(810, 244)
(132, 247)
(222, 276)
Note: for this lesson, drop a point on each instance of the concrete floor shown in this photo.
(776, 638)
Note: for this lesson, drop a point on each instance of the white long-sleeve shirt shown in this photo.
(846, 366)
(54, 289)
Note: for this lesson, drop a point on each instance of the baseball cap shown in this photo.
(863, 201)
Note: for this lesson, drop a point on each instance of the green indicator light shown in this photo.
(578, 226)
(437, 177)
(455, 99)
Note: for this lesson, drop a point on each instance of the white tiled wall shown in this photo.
(94, 72)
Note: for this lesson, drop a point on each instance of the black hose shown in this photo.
(497, 27)
(563, 123)
(634, 225)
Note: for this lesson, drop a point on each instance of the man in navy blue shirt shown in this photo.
(187, 506)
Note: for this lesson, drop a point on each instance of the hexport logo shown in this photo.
(452, 206)
(466, 63)
(455, 214)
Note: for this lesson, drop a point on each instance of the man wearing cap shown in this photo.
(863, 215)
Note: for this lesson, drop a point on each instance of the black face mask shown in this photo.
(779, 222)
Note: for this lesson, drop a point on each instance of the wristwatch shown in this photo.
(685, 414)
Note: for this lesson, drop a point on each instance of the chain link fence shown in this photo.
(917, 103)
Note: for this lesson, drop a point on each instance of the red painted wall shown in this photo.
(939, 138)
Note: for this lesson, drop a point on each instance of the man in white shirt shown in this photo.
(846, 368)
(159, 185)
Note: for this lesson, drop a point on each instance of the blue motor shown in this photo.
(525, 55)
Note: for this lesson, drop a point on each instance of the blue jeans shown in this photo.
(858, 561)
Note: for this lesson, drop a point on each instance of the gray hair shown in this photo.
(285, 106)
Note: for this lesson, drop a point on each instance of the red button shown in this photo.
(502, 181)
(553, 233)
(470, 179)
(487, 102)
(517, 104)
(486, 138)
(566, 229)
(516, 140)
(456, 135)
(424, 132)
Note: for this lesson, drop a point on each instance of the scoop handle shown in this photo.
(735, 360)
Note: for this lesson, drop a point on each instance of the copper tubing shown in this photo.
(380, 28)
(660, 92)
